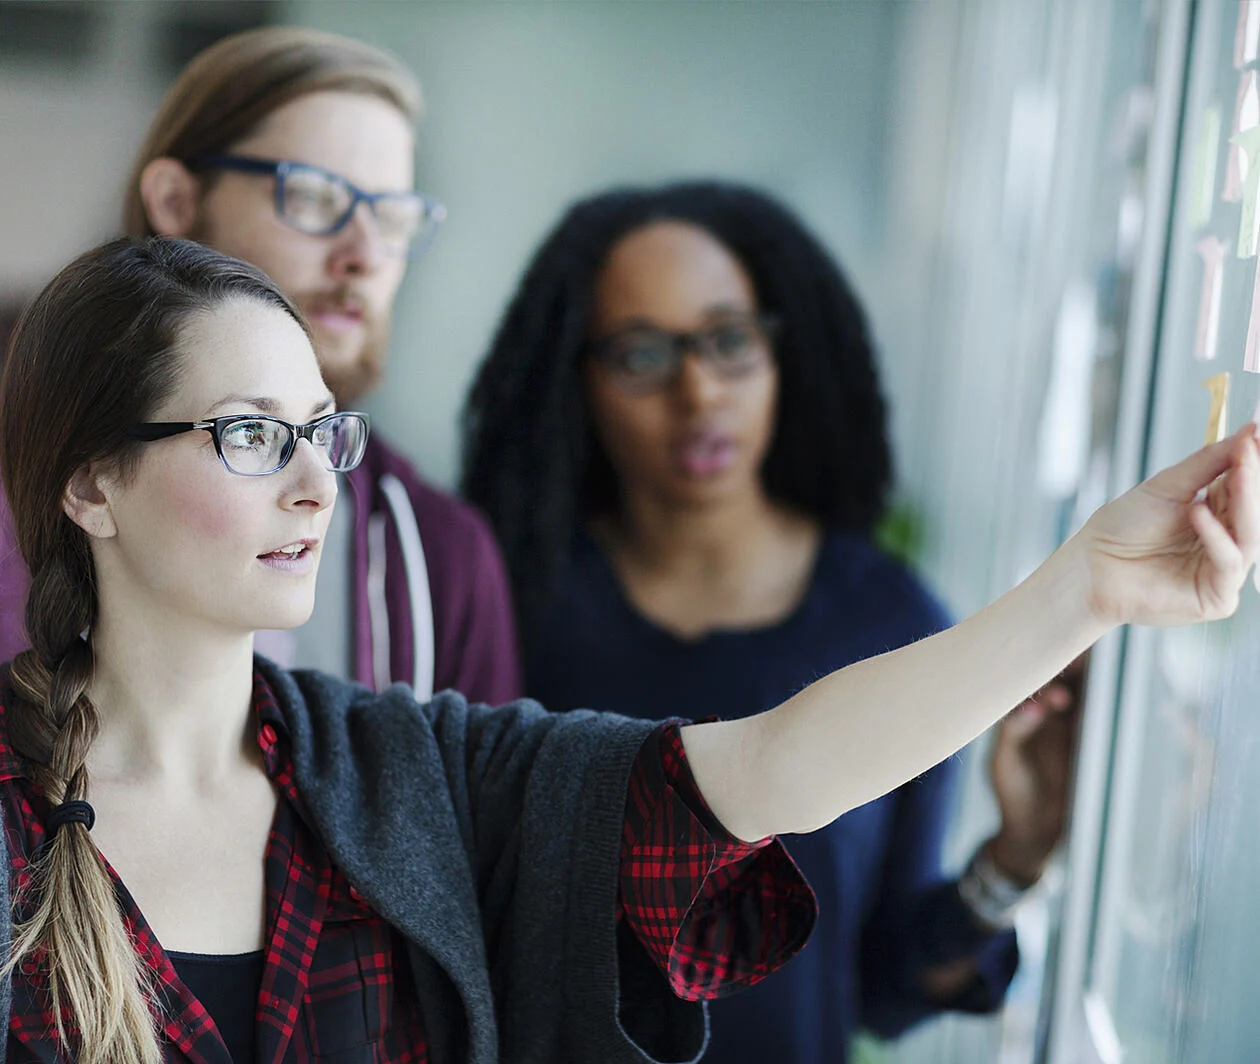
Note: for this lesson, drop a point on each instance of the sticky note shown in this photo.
(1246, 115)
(1248, 220)
(1251, 353)
(1211, 250)
(1218, 412)
(1203, 189)
(1247, 33)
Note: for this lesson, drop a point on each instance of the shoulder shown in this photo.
(334, 722)
(852, 565)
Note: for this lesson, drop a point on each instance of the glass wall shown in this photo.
(1173, 965)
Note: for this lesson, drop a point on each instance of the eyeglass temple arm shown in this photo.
(160, 430)
(237, 162)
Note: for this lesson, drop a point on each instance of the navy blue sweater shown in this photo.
(885, 910)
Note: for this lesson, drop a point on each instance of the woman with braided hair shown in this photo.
(212, 860)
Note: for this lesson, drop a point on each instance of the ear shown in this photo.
(171, 196)
(87, 505)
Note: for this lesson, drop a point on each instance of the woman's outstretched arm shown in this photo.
(1174, 550)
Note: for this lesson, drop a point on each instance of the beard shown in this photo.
(352, 363)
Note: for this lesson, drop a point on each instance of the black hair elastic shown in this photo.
(75, 812)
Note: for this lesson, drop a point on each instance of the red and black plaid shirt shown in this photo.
(714, 913)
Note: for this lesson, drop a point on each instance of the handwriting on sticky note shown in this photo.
(1218, 411)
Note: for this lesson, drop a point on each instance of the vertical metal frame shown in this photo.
(1075, 1031)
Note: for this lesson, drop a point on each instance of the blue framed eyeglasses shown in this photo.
(253, 445)
(317, 201)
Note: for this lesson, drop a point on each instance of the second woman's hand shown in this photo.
(1030, 769)
(1159, 554)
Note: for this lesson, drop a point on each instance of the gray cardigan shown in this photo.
(491, 839)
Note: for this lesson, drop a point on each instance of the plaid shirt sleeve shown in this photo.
(714, 913)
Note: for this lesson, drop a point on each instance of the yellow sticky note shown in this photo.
(1218, 414)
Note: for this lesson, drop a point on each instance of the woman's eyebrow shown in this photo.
(267, 405)
(259, 402)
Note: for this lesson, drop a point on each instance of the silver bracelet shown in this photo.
(991, 896)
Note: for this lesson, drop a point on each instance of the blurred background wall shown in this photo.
(533, 105)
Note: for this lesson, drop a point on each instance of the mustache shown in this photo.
(345, 299)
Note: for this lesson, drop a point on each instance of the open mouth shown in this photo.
(338, 313)
(291, 555)
(704, 454)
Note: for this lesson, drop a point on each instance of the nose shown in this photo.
(697, 384)
(358, 249)
(311, 484)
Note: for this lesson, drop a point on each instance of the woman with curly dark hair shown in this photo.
(680, 439)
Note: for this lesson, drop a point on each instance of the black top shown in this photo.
(227, 984)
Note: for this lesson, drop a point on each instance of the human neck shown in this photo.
(714, 540)
(744, 562)
(174, 700)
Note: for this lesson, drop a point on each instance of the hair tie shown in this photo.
(75, 812)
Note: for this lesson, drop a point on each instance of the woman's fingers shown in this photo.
(1225, 559)
(1243, 500)
(1191, 475)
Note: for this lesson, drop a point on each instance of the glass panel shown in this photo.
(1174, 966)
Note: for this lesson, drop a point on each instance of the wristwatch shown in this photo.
(991, 896)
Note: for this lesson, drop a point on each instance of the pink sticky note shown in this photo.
(1212, 250)
(1246, 115)
(1247, 34)
(1251, 355)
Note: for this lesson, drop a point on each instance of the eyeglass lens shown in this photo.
(646, 356)
(253, 447)
(318, 202)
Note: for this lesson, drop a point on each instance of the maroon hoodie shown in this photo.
(448, 604)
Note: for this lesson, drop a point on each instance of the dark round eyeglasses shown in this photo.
(642, 358)
(253, 445)
(319, 202)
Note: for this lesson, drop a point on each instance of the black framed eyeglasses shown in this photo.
(319, 202)
(643, 358)
(253, 445)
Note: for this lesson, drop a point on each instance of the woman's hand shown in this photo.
(1176, 548)
(1030, 768)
